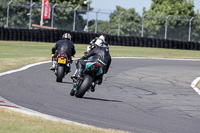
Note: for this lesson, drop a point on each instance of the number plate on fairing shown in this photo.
(61, 61)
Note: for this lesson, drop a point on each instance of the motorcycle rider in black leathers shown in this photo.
(99, 53)
(66, 46)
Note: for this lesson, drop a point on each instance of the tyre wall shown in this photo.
(46, 35)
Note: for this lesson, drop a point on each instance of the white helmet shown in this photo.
(102, 37)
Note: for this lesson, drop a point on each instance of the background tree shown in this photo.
(180, 12)
(3, 12)
(63, 14)
(130, 23)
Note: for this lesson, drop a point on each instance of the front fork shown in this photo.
(77, 83)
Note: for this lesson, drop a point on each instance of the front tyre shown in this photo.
(60, 73)
(84, 86)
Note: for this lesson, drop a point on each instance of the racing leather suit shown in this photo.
(64, 46)
(99, 54)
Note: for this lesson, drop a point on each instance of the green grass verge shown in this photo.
(15, 54)
(119, 51)
(15, 122)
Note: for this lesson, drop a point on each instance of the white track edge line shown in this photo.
(194, 85)
(39, 114)
(156, 58)
(23, 68)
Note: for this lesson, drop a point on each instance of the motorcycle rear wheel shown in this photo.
(60, 73)
(84, 86)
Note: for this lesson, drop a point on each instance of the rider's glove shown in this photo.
(83, 57)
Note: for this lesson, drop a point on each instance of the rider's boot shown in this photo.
(99, 81)
(77, 73)
(69, 66)
(53, 65)
(72, 92)
(93, 87)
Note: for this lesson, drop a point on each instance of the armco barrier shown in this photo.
(50, 35)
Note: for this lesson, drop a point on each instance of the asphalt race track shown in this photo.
(137, 95)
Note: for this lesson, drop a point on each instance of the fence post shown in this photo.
(119, 23)
(52, 14)
(8, 13)
(190, 25)
(166, 26)
(88, 8)
(31, 5)
(143, 24)
(74, 24)
(41, 18)
(96, 20)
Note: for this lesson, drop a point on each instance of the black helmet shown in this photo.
(66, 36)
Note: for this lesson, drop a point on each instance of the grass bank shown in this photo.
(16, 53)
(14, 122)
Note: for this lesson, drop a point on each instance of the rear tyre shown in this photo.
(84, 86)
(60, 73)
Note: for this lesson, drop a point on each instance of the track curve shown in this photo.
(137, 95)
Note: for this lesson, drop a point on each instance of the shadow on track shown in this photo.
(100, 99)
(65, 82)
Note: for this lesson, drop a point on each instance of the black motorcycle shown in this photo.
(87, 80)
(62, 66)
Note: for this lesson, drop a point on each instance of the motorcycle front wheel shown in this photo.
(87, 81)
